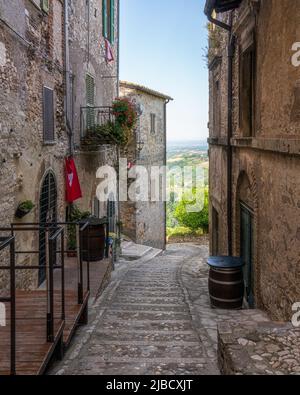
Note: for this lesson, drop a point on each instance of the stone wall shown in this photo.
(269, 159)
(149, 216)
(30, 58)
(87, 56)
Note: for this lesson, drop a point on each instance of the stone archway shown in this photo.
(245, 196)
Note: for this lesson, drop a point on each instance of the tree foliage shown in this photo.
(194, 220)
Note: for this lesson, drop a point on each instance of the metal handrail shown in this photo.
(81, 227)
(51, 241)
(96, 115)
(10, 242)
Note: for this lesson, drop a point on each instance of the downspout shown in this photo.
(118, 148)
(165, 164)
(68, 102)
(118, 62)
(231, 48)
(230, 54)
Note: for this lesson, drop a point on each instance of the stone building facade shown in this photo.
(93, 79)
(144, 221)
(254, 149)
(31, 94)
(46, 50)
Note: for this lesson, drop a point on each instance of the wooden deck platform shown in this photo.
(33, 353)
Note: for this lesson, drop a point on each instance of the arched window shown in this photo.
(48, 215)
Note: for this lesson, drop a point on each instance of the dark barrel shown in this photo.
(226, 282)
(94, 240)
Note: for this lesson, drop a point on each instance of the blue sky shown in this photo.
(162, 46)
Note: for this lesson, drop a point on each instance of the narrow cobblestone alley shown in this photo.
(143, 323)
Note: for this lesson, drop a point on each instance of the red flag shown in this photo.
(73, 190)
(108, 52)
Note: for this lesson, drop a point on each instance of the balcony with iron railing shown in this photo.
(97, 127)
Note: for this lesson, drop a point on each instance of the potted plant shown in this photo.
(76, 215)
(24, 208)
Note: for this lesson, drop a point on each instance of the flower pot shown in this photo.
(72, 254)
(21, 213)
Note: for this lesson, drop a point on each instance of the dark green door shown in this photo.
(247, 251)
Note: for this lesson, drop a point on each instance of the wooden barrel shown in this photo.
(226, 288)
(93, 243)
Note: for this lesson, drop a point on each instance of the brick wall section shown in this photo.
(269, 161)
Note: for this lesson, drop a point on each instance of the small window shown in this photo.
(108, 10)
(48, 114)
(153, 123)
(247, 92)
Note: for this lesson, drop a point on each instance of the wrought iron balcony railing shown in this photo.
(96, 126)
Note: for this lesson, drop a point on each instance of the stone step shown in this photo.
(133, 352)
(126, 307)
(151, 300)
(169, 326)
(145, 316)
(117, 368)
(145, 335)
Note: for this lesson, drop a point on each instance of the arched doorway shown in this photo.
(246, 236)
(48, 215)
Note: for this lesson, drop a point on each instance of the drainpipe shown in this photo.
(118, 62)
(118, 148)
(165, 164)
(68, 103)
(231, 48)
(230, 54)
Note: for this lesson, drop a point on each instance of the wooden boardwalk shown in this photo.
(33, 352)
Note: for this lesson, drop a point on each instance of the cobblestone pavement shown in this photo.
(145, 322)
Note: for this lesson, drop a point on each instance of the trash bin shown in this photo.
(94, 240)
(226, 282)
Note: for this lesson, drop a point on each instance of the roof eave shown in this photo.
(146, 90)
(218, 6)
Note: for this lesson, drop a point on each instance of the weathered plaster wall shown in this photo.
(150, 217)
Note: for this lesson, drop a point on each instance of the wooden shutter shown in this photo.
(90, 90)
(90, 101)
(104, 16)
(45, 5)
(112, 21)
(48, 114)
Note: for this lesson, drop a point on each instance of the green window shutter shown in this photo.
(90, 90)
(45, 5)
(90, 101)
(104, 15)
(112, 21)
